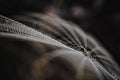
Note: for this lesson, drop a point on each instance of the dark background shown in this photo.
(102, 20)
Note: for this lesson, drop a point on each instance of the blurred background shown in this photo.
(98, 17)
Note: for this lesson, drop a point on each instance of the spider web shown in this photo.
(56, 31)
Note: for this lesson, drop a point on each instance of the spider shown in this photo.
(87, 52)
